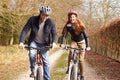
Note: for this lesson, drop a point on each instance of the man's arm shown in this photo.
(25, 31)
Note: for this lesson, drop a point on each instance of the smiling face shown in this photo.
(72, 18)
(43, 17)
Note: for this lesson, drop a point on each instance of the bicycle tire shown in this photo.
(39, 73)
(70, 70)
(75, 71)
(72, 74)
(78, 72)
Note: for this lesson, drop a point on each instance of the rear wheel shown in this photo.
(39, 73)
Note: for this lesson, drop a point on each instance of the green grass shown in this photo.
(59, 70)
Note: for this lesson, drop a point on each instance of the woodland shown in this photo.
(101, 17)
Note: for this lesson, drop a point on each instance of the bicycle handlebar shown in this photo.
(68, 48)
(38, 48)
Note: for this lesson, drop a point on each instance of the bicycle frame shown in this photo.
(39, 67)
(39, 62)
(74, 71)
(38, 59)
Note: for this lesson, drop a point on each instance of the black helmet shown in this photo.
(45, 9)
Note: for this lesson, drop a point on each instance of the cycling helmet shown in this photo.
(72, 12)
(45, 9)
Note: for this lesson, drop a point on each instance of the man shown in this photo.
(40, 27)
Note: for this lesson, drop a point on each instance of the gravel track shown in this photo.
(92, 69)
(52, 59)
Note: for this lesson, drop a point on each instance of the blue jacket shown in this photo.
(32, 25)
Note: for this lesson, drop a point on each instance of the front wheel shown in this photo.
(75, 71)
(70, 72)
(39, 73)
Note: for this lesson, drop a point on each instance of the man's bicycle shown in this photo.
(74, 70)
(38, 74)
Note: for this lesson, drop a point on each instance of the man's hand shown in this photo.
(54, 45)
(21, 45)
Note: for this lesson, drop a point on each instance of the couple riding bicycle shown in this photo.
(43, 30)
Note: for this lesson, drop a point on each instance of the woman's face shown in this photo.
(73, 18)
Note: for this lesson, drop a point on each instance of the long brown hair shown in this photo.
(79, 27)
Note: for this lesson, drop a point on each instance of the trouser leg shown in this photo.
(46, 66)
(69, 58)
(81, 68)
(32, 56)
(81, 58)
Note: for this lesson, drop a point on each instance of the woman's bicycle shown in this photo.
(74, 70)
(38, 74)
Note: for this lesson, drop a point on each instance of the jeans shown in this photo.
(45, 55)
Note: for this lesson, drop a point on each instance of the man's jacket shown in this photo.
(33, 26)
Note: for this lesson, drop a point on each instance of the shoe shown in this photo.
(67, 71)
(81, 78)
(32, 75)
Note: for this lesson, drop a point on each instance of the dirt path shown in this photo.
(91, 71)
(52, 58)
(106, 68)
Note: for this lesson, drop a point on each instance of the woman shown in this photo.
(78, 38)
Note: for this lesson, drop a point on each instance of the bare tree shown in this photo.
(98, 12)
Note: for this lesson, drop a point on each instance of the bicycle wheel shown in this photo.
(39, 73)
(78, 72)
(70, 72)
(75, 71)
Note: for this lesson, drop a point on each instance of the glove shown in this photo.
(88, 48)
(62, 45)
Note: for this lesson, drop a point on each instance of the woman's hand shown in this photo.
(62, 45)
(88, 48)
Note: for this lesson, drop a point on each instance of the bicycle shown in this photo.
(74, 70)
(38, 74)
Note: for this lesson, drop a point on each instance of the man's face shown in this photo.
(43, 16)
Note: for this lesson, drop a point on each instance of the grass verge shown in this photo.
(58, 72)
(12, 62)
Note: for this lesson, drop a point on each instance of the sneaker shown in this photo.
(81, 78)
(32, 75)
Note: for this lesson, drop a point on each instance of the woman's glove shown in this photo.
(62, 45)
(88, 48)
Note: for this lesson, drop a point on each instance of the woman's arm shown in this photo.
(64, 35)
(86, 38)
